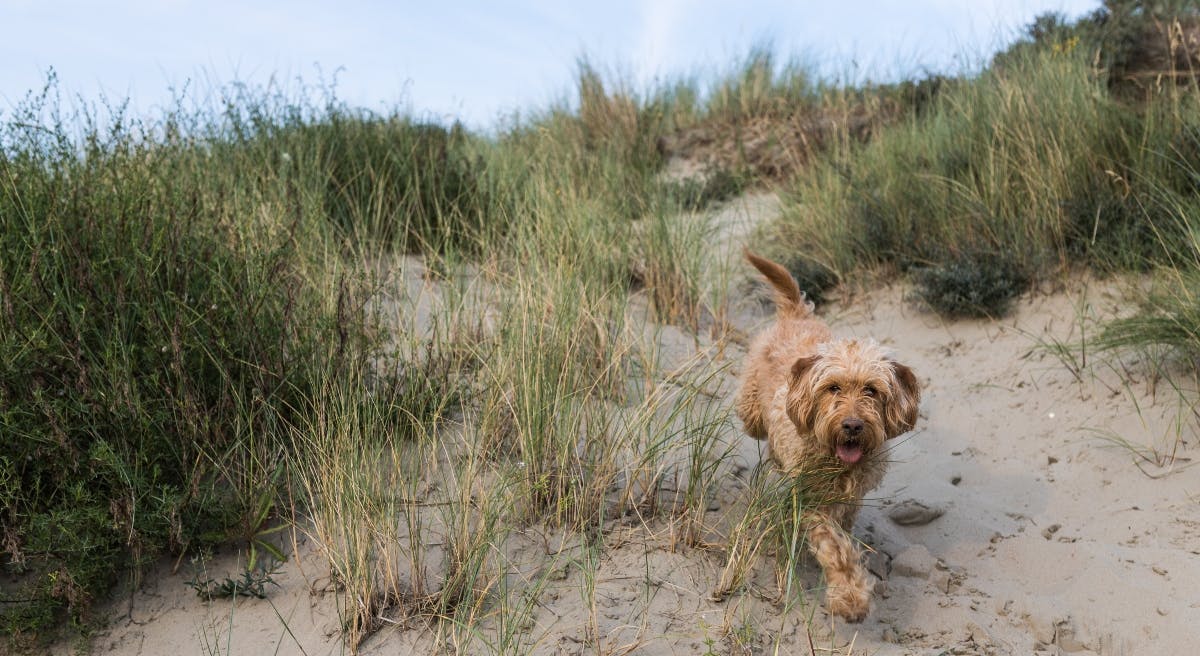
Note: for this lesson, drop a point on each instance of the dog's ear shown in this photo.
(801, 402)
(900, 412)
(802, 365)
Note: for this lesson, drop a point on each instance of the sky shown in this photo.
(476, 61)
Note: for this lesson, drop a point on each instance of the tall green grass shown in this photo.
(1032, 167)
(166, 284)
(996, 165)
(146, 332)
(549, 429)
(392, 179)
(1040, 163)
(759, 86)
(1168, 316)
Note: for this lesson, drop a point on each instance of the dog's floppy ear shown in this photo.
(801, 402)
(900, 412)
(802, 365)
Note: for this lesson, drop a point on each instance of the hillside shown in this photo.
(278, 373)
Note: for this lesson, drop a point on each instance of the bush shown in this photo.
(156, 334)
(981, 284)
(1139, 44)
(698, 193)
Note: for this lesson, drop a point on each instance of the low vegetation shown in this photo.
(1040, 164)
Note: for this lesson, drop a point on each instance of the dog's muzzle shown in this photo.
(849, 448)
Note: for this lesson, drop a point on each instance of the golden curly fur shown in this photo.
(825, 404)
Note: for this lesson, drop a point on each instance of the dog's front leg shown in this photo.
(848, 593)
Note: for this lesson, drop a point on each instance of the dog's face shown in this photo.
(852, 398)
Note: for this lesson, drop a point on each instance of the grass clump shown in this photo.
(415, 185)
(385, 179)
(994, 167)
(1168, 311)
(758, 86)
(772, 523)
(971, 285)
(404, 519)
(1168, 319)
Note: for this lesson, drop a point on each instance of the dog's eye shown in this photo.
(870, 391)
(834, 389)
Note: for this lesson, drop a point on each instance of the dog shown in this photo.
(826, 407)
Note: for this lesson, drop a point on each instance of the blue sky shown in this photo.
(475, 60)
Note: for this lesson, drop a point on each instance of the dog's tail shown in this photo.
(789, 300)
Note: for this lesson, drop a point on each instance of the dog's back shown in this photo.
(795, 334)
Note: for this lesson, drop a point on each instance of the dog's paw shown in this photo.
(849, 603)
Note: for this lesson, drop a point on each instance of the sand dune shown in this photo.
(1050, 539)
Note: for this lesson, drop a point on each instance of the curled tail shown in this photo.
(789, 300)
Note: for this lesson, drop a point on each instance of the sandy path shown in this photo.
(1051, 536)
(1052, 541)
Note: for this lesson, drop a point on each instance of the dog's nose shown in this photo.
(852, 426)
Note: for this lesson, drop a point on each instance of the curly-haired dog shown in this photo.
(825, 405)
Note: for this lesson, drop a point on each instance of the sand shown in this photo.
(1050, 539)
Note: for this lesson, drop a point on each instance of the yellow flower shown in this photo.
(1064, 47)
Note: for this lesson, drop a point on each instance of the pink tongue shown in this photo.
(849, 454)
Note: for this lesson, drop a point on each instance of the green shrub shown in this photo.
(155, 323)
(981, 284)
(1130, 40)
(700, 192)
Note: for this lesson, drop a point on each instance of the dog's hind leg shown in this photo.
(848, 593)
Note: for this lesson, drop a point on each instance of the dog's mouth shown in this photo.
(850, 451)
